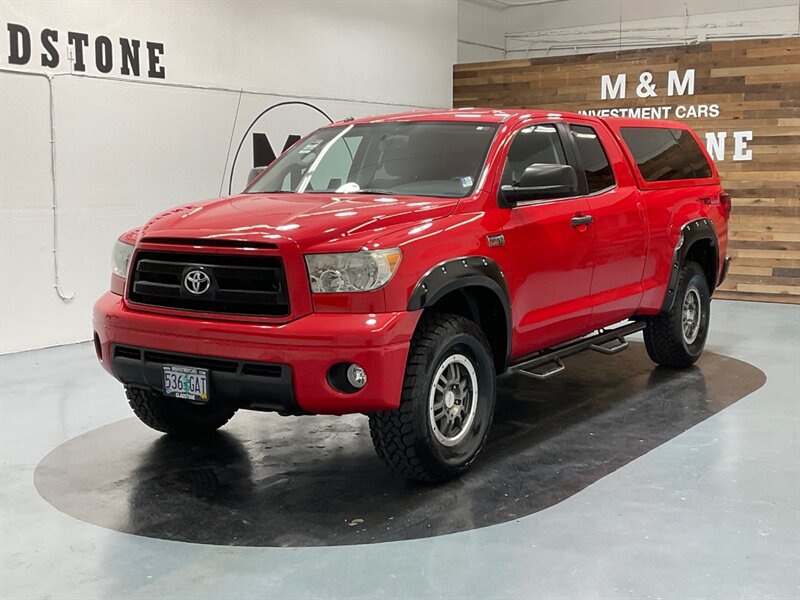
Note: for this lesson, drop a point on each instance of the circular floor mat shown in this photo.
(267, 480)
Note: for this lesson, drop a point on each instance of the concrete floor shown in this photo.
(712, 512)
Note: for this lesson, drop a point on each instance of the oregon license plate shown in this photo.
(186, 382)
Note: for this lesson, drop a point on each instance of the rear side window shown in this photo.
(599, 175)
(697, 160)
(666, 154)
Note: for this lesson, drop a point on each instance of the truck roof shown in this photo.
(501, 115)
(484, 115)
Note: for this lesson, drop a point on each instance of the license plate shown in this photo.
(186, 382)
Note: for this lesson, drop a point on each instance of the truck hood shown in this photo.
(341, 221)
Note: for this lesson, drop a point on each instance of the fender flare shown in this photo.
(691, 232)
(458, 273)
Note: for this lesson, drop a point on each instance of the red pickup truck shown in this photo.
(395, 266)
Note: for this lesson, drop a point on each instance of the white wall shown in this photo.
(127, 148)
(481, 33)
(559, 27)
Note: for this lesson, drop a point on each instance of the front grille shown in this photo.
(230, 284)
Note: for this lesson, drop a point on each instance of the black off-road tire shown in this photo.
(404, 438)
(175, 416)
(664, 335)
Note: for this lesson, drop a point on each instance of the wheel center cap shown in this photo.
(449, 399)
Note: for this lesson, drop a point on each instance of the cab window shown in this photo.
(534, 144)
(596, 168)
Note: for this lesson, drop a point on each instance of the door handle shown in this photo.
(577, 221)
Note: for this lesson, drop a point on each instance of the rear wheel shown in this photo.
(677, 338)
(175, 416)
(447, 403)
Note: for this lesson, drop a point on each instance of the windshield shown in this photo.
(412, 158)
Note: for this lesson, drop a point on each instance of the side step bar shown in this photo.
(605, 341)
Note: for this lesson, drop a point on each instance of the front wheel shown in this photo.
(677, 338)
(447, 402)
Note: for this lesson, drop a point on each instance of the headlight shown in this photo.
(352, 271)
(120, 257)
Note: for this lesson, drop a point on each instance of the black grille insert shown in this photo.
(126, 352)
(261, 370)
(216, 365)
(230, 284)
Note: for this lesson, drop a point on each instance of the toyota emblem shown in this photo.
(197, 282)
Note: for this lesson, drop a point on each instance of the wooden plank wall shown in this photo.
(756, 85)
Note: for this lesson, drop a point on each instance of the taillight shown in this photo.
(725, 202)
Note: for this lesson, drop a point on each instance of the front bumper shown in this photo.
(307, 347)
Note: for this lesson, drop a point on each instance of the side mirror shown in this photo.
(541, 182)
(254, 172)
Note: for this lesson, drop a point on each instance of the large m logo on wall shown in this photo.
(284, 121)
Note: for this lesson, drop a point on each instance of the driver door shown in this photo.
(551, 257)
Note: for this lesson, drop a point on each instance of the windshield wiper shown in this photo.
(370, 191)
(364, 191)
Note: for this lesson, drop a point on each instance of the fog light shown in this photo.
(356, 376)
(347, 378)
